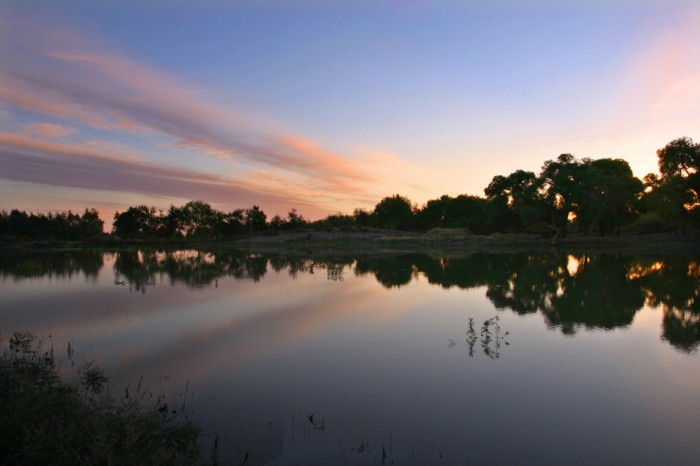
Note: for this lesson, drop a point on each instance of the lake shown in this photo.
(510, 358)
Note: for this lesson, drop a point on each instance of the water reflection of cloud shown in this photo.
(297, 311)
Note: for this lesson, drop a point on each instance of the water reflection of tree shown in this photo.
(600, 291)
(35, 263)
(674, 285)
(598, 294)
(394, 271)
(192, 268)
(334, 267)
(137, 268)
(525, 283)
(196, 269)
(595, 291)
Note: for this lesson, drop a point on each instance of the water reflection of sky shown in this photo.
(385, 365)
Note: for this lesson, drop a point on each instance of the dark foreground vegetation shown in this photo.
(46, 421)
(569, 194)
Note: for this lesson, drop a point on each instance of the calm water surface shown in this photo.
(482, 359)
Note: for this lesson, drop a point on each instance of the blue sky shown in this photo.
(327, 106)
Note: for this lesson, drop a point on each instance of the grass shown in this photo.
(46, 421)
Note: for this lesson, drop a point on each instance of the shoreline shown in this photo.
(376, 241)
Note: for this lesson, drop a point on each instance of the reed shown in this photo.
(47, 421)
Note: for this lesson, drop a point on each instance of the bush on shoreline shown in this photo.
(46, 421)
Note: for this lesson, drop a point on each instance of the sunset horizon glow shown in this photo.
(328, 108)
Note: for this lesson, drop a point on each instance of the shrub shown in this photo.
(46, 421)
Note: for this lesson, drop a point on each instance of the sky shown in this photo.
(328, 106)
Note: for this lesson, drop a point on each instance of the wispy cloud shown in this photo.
(48, 130)
(82, 165)
(70, 78)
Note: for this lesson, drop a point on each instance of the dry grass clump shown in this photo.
(45, 421)
(447, 234)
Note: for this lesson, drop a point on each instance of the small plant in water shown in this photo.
(362, 447)
(92, 378)
(489, 336)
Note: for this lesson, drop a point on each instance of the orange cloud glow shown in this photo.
(48, 130)
(73, 78)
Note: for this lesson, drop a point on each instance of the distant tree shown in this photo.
(137, 222)
(362, 217)
(170, 226)
(233, 223)
(462, 211)
(669, 199)
(52, 226)
(276, 223)
(337, 220)
(681, 158)
(255, 219)
(515, 200)
(610, 194)
(559, 186)
(200, 221)
(435, 213)
(395, 212)
(15, 224)
(294, 220)
(677, 192)
(468, 212)
(91, 226)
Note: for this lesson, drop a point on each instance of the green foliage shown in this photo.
(138, 222)
(255, 219)
(45, 421)
(515, 201)
(676, 194)
(338, 220)
(460, 212)
(293, 221)
(601, 192)
(65, 226)
(198, 220)
(362, 217)
(681, 158)
(608, 194)
(669, 198)
(394, 212)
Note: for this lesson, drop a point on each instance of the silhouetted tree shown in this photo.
(515, 200)
(607, 194)
(337, 221)
(675, 196)
(233, 223)
(66, 226)
(91, 226)
(681, 158)
(199, 220)
(293, 221)
(255, 219)
(559, 185)
(362, 217)
(137, 222)
(395, 212)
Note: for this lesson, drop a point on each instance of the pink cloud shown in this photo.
(83, 166)
(48, 130)
(666, 78)
(71, 78)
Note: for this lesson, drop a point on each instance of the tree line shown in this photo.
(585, 195)
(52, 226)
